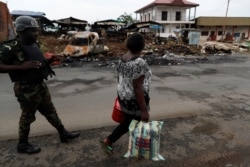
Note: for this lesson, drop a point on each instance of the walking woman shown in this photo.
(134, 76)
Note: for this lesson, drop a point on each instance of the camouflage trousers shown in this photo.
(33, 97)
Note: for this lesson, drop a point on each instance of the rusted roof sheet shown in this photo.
(6, 24)
(220, 21)
(169, 3)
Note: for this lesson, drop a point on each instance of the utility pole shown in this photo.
(225, 20)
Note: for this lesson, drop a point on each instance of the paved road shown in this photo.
(84, 95)
(215, 96)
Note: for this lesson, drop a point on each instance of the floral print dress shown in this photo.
(128, 71)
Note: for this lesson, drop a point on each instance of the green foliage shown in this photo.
(127, 18)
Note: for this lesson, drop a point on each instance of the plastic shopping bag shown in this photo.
(144, 140)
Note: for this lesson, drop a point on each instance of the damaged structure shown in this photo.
(173, 35)
(110, 29)
(70, 24)
(43, 22)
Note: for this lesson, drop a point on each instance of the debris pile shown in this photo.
(155, 53)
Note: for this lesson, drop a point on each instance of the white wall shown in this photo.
(170, 24)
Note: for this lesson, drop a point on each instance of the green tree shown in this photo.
(126, 18)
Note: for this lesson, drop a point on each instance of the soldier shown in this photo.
(23, 60)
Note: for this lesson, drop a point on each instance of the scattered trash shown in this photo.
(167, 52)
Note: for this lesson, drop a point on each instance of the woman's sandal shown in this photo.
(107, 148)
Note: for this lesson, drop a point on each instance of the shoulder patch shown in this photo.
(9, 44)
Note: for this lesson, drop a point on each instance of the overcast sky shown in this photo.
(94, 10)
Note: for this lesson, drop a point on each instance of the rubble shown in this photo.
(155, 53)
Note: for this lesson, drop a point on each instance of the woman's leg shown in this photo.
(122, 128)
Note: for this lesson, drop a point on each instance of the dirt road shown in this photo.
(205, 109)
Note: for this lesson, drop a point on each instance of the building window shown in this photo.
(178, 16)
(164, 15)
(237, 35)
(204, 33)
(220, 32)
(149, 17)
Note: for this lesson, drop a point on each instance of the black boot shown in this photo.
(65, 135)
(27, 148)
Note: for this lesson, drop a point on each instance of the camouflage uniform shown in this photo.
(32, 93)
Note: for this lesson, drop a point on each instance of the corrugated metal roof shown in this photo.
(36, 15)
(27, 13)
(71, 20)
(220, 21)
(169, 3)
(109, 22)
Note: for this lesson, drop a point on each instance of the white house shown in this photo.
(178, 14)
(171, 14)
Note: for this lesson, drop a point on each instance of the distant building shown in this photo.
(235, 28)
(179, 14)
(70, 24)
(171, 14)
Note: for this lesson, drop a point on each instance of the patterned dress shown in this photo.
(127, 72)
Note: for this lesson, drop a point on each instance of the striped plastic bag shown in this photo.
(144, 140)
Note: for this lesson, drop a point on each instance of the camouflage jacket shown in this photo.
(11, 53)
